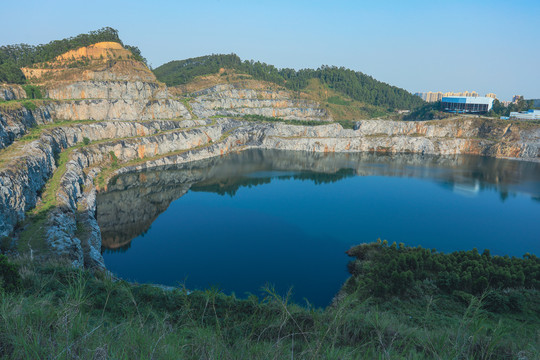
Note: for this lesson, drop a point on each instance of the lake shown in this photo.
(286, 218)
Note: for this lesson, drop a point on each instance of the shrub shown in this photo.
(10, 279)
(33, 91)
(29, 105)
(86, 141)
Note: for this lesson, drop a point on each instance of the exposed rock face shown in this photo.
(102, 50)
(23, 177)
(104, 61)
(110, 86)
(134, 113)
(20, 184)
(226, 100)
(119, 109)
(15, 123)
(11, 92)
(113, 90)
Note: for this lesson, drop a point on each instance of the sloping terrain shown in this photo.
(104, 113)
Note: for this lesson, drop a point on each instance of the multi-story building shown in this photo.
(516, 98)
(466, 104)
(491, 95)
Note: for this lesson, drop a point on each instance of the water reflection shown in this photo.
(134, 200)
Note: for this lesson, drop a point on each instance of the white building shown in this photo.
(526, 115)
(466, 104)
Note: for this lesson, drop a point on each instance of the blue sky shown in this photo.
(487, 46)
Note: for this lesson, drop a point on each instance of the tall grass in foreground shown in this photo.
(63, 313)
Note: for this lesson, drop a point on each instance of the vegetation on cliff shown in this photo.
(353, 84)
(429, 111)
(54, 311)
(13, 57)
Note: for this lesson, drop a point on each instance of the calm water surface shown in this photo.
(287, 218)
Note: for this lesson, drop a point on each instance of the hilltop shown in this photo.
(345, 92)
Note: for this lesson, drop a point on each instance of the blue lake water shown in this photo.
(287, 218)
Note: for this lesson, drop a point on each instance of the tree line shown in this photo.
(13, 57)
(354, 84)
(499, 109)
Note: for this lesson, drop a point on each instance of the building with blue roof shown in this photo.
(466, 104)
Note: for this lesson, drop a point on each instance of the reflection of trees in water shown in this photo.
(134, 200)
(230, 186)
(322, 178)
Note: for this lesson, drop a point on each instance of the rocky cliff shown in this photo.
(11, 92)
(157, 143)
(15, 123)
(118, 118)
(230, 100)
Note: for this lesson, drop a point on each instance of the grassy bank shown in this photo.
(53, 311)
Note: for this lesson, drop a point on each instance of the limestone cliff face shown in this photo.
(25, 174)
(181, 142)
(104, 61)
(15, 123)
(112, 89)
(110, 86)
(119, 109)
(227, 100)
(11, 92)
(133, 121)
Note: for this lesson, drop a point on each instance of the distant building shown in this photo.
(464, 93)
(491, 95)
(516, 98)
(526, 115)
(431, 96)
(466, 104)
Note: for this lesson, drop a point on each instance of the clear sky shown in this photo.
(487, 46)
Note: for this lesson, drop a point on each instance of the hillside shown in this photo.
(14, 57)
(351, 84)
(93, 111)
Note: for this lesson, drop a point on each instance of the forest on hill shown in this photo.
(13, 57)
(353, 84)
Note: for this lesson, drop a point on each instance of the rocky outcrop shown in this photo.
(25, 173)
(166, 143)
(113, 90)
(227, 100)
(11, 92)
(132, 115)
(119, 109)
(15, 123)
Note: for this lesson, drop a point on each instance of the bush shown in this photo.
(86, 141)
(10, 280)
(29, 105)
(33, 91)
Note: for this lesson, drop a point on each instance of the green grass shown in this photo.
(32, 238)
(268, 119)
(64, 313)
(186, 102)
